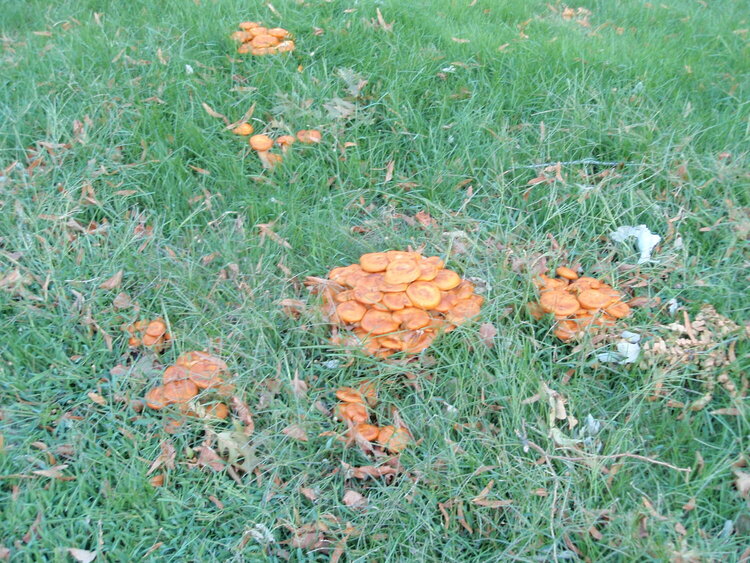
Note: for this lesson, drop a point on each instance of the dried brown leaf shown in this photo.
(492, 503)
(299, 387)
(243, 413)
(309, 493)
(165, 457)
(487, 333)
(207, 457)
(55, 472)
(210, 111)
(121, 301)
(353, 499)
(742, 483)
(296, 432)
(113, 282)
(97, 398)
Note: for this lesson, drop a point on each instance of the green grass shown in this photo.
(669, 89)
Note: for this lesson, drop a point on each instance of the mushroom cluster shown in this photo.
(353, 410)
(152, 334)
(397, 301)
(190, 374)
(256, 39)
(579, 303)
(262, 144)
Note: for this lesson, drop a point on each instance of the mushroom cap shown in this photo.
(264, 41)
(396, 301)
(278, 32)
(218, 410)
(446, 280)
(427, 271)
(180, 391)
(243, 129)
(149, 340)
(349, 395)
(425, 295)
(155, 398)
(567, 273)
(241, 36)
(378, 322)
(156, 328)
(369, 391)
(558, 302)
(174, 373)
(271, 158)
(544, 282)
(618, 310)
(566, 330)
(594, 299)
(402, 271)
(257, 51)
(286, 47)
(351, 311)
(258, 30)
(447, 300)
(261, 142)
(309, 136)
(584, 282)
(342, 296)
(201, 362)
(249, 25)
(464, 290)
(134, 341)
(463, 309)
(373, 261)
(402, 255)
(245, 48)
(412, 318)
(367, 431)
(354, 412)
(341, 273)
(390, 342)
(367, 293)
(386, 287)
(285, 140)
(416, 341)
(439, 264)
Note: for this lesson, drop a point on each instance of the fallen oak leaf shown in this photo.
(296, 432)
(113, 282)
(487, 333)
(207, 457)
(366, 471)
(165, 457)
(353, 499)
(243, 413)
(97, 398)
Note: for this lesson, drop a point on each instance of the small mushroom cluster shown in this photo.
(397, 301)
(181, 383)
(152, 334)
(578, 303)
(258, 40)
(353, 410)
(262, 144)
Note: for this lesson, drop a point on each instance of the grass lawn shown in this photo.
(109, 162)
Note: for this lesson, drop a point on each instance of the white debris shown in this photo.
(628, 350)
(331, 364)
(189, 69)
(672, 306)
(645, 239)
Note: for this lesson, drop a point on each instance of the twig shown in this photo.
(571, 162)
(541, 450)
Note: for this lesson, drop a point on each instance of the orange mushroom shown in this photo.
(396, 301)
(425, 295)
(397, 441)
(278, 32)
(264, 41)
(243, 129)
(285, 142)
(354, 412)
(244, 49)
(249, 25)
(374, 262)
(594, 299)
(618, 310)
(412, 318)
(367, 431)
(155, 398)
(558, 302)
(446, 280)
(402, 271)
(385, 433)
(349, 395)
(351, 311)
(287, 47)
(567, 273)
(378, 322)
(367, 294)
(261, 143)
(180, 391)
(218, 410)
(309, 136)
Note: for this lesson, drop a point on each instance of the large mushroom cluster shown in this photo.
(353, 409)
(579, 303)
(190, 374)
(397, 301)
(258, 40)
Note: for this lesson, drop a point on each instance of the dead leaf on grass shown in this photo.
(742, 483)
(296, 432)
(113, 282)
(81, 555)
(299, 386)
(243, 414)
(165, 457)
(353, 499)
(487, 333)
